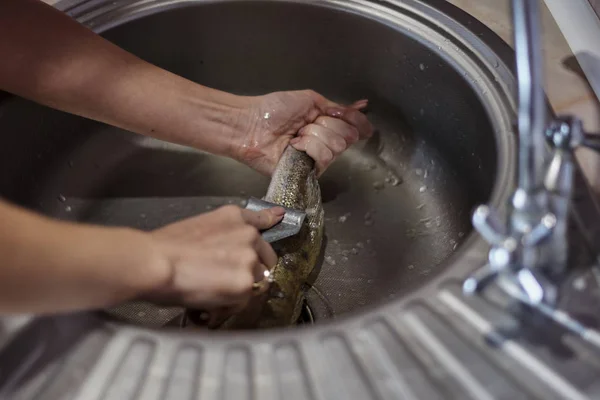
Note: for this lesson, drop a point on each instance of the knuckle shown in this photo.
(248, 258)
(322, 120)
(353, 135)
(308, 130)
(311, 93)
(243, 283)
(338, 145)
(327, 157)
(249, 233)
(232, 211)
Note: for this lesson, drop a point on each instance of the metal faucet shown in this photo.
(530, 246)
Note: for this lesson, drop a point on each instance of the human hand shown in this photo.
(215, 258)
(307, 121)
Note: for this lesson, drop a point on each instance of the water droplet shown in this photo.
(428, 224)
(455, 246)
(420, 206)
(329, 260)
(345, 253)
(378, 185)
(369, 222)
(426, 174)
(419, 171)
(335, 241)
(370, 281)
(579, 284)
(411, 267)
(368, 241)
(496, 63)
(423, 189)
(360, 245)
(344, 259)
(141, 314)
(142, 216)
(62, 198)
(354, 251)
(422, 67)
(68, 208)
(461, 234)
(395, 180)
(343, 218)
(267, 115)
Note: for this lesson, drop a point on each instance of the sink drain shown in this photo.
(307, 317)
(199, 319)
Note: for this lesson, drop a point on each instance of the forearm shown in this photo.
(51, 266)
(53, 60)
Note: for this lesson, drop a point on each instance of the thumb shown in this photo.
(263, 219)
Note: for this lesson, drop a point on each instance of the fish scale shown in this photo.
(293, 185)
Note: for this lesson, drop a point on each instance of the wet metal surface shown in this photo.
(396, 207)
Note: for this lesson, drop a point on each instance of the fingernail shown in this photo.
(278, 211)
(335, 112)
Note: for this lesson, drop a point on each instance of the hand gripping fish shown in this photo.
(294, 185)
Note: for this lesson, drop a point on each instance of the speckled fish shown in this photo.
(293, 185)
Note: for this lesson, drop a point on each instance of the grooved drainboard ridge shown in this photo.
(540, 358)
(435, 349)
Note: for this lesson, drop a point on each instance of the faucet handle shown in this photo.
(479, 279)
(540, 232)
(591, 142)
(536, 287)
(487, 222)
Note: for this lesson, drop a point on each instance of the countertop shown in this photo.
(567, 91)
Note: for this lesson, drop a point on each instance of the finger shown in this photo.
(263, 219)
(360, 104)
(334, 141)
(324, 104)
(316, 149)
(263, 279)
(353, 117)
(344, 129)
(266, 254)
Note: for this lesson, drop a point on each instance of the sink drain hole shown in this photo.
(307, 317)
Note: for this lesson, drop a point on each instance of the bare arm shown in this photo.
(208, 262)
(51, 59)
(50, 266)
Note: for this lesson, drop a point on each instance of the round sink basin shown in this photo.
(397, 206)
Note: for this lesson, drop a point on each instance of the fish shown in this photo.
(293, 185)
